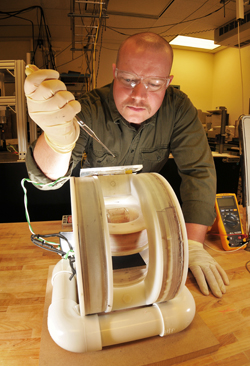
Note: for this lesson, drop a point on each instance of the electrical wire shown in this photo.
(51, 184)
(43, 27)
(28, 20)
(41, 240)
(226, 251)
(99, 58)
(247, 266)
(12, 149)
(57, 54)
(186, 17)
(243, 243)
(68, 62)
(230, 252)
(171, 24)
(94, 51)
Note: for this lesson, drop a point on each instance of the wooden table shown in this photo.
(24, 271)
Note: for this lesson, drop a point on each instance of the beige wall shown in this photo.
(11, 50)
(193, 71)
(227, 85)
(105, 74)
(214, 80)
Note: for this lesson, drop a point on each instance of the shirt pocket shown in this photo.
(101, 158)
(155, 158)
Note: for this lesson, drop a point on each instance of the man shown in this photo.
(141, 120)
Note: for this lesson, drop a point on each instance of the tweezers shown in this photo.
(91, 133)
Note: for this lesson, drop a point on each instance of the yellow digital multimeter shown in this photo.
(228, 222)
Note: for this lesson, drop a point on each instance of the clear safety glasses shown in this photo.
(151, 83)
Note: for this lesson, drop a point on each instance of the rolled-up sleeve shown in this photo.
(37, 176)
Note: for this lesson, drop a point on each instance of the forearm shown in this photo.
(196, 232)
(53, 165)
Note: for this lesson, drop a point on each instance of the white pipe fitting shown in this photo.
(67, 327)
(77, 333)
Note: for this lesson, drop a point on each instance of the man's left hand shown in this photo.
(206, 270)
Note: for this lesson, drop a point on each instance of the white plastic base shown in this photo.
(77, 333)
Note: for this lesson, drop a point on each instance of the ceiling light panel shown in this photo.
(194, 42)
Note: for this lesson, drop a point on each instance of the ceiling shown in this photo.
(169, 18)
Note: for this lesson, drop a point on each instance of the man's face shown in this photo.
(138, 104)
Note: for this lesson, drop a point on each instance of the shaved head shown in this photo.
(146, 41)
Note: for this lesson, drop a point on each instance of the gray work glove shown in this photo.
(206, 270)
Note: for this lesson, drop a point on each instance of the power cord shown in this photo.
(225, 252)
(247, 266)
(232, 251)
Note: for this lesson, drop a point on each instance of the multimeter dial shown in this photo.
(231, 220)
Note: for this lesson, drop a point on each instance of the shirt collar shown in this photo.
(117, 117)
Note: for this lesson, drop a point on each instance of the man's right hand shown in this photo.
(52, 108)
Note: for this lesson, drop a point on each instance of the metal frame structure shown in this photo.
(87, 20)
(17, 102)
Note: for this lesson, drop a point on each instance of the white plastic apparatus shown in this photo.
(118, 215)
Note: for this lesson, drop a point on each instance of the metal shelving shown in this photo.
(87, 20)
(17, 102)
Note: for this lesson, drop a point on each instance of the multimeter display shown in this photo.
(226, 202)
(228, 221)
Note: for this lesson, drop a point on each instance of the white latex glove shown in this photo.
(52, 108)
(206, 270)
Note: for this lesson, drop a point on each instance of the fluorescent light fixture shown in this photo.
(194, 42)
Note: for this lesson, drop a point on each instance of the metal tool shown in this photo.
(91, 133)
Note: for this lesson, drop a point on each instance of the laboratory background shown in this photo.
(80, 39)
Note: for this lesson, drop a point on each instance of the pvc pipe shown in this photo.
(69, 329)
(61, 274)
(158, 319)
(177, 313)
(130, 325)
(77, 333)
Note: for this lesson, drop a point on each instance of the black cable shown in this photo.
(47, 38)
(186, 17)
(69, 61)
(28, 20)
(167, 25)
(42, 26)
(63, 50)
(247, 266)
(99, 56)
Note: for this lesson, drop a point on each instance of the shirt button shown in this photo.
(158, 158)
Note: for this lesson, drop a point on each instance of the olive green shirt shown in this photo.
(175, 129)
